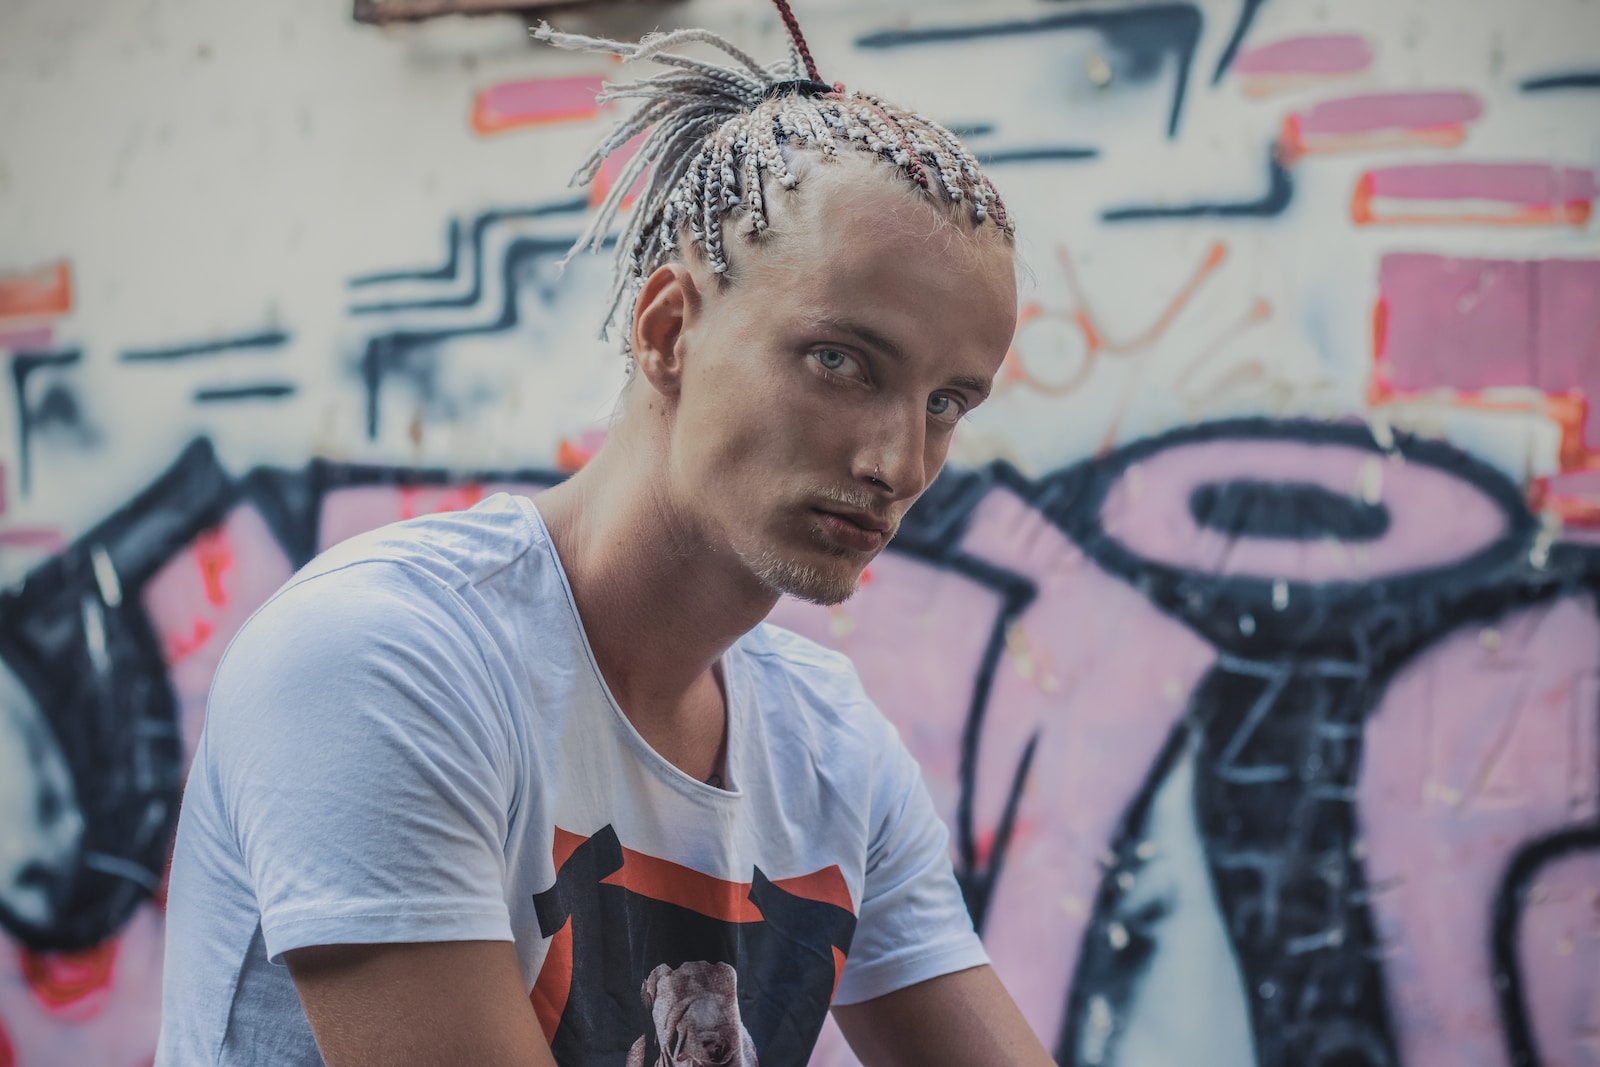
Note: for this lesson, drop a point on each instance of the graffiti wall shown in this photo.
(1250, 642)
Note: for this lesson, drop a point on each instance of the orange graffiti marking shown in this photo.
(63, 979)
(1293, 146)
(1568, 410)
(214, 556)
(43, 292)
(1080, 317)
(182, 647)
(1367, 208)
(535, 102)
(1260, 311)
(570, 458)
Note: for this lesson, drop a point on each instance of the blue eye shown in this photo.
(839, 364)
(944, 408)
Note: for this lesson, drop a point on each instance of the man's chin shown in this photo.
(826, 592)
(830, 582)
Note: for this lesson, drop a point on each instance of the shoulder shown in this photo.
(411, 584)
(456, 548)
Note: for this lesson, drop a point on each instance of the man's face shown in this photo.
(820, 390)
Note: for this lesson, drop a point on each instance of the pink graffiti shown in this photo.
(1148, 511)
(1560, 960)
(99, 1007)
(1378, 120)
(535, 102)
(198, 600)
(1331, 53)
(357, 509)
(1511, 194)
(1489, 741)
(30, 339)
(1464, 323)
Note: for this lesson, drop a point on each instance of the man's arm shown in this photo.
(418, 1005)
(955, 1020)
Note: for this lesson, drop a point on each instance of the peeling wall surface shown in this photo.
(1250, 640)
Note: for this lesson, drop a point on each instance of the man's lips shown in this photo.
(853, 530)
(863, 519)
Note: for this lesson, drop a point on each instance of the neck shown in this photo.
(660, 605)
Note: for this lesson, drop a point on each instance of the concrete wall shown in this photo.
(1268, 732)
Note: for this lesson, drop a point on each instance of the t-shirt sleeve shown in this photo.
(913, 924)
(362, 755)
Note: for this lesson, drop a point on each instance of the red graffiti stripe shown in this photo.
(1381, 120)
(535, 102)
(1506, 194)
(61, 980)
(611, 170)
(1573, 498)
(43, 292)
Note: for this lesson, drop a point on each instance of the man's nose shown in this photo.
(894, 460)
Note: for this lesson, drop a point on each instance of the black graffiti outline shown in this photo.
(213, 394)
(1510, 989)
(1182, 23)
(1270, 204)
(23, 364)
(264, 339)
(444, 272)
(476, 244)
(1248, 9)
(1577, 79)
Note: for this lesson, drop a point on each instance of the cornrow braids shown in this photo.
(718, 133)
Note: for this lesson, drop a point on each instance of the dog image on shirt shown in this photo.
(695, 1008)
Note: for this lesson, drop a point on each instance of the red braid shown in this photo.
(799, 39)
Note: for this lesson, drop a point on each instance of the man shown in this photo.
(547, 750)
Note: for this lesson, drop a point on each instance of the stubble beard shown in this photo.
(788, 573)
(788, 576)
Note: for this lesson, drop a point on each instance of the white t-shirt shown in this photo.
(412, 742)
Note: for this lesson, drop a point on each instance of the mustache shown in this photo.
(862, 501)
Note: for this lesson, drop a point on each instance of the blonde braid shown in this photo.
(718, 133)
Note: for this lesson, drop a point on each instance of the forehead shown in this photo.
(850, 243)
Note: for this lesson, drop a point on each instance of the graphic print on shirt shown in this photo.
(652, 964)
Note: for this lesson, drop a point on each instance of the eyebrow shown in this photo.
(874, 339)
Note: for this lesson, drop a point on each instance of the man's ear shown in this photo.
(667, 303)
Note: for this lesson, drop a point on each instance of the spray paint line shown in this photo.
(46, 291)
(1503, 194)
(1380, 120)
(535, 102)
(1329, 53)
(611, 171)
(1299, 62)
(30, 339)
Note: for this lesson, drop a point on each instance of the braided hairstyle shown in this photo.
(721, 137)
